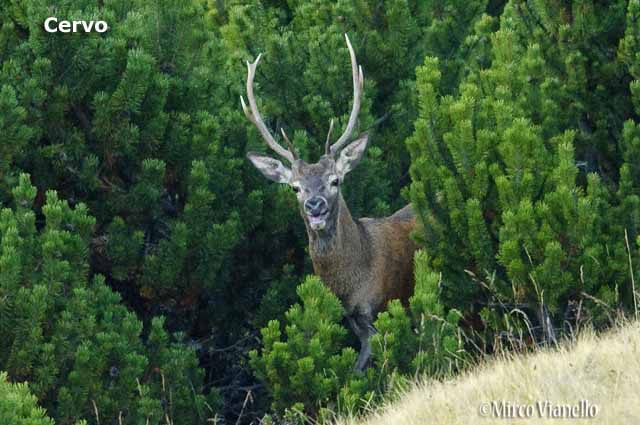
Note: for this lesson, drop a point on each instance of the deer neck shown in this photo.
(342, 238)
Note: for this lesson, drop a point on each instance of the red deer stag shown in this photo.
(365, 262)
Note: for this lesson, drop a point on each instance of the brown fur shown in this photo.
(366, 262)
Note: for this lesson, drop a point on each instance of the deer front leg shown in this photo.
(362, 326)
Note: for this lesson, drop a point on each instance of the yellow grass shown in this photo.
(604, 371)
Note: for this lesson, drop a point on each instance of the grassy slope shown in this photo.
(604, 370)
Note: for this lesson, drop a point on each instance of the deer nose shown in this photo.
(315, 205)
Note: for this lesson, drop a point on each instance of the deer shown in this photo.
(365, 262)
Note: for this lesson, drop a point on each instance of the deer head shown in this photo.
(317, 185)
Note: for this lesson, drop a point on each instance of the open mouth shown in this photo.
(318, 221)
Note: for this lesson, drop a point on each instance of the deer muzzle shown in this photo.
(317, 210)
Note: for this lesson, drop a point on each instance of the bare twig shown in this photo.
(244, 405)
(95, 411)
(607, 309)
(633, 280)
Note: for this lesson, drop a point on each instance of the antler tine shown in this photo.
(254, 114)
(358, 84)
(327, 144)
(290, 146)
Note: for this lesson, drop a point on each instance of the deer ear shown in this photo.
(351, 155)
(271, 168)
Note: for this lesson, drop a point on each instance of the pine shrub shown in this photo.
(305, 361)
(513, 175)
(67, 333)
(421, 339)
(18, 406)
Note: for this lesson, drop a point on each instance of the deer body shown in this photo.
(364, 262)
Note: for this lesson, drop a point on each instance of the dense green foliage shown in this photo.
(142, 254)
(69, 335)
(422, 338)
(18, 406)
(305, 367)
(514, 176)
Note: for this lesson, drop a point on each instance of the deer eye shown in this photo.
(335, 181)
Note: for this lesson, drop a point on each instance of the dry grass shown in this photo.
(603, 370)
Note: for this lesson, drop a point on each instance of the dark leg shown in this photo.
(363, 328)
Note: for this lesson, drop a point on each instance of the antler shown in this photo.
(290, 146)
(327, 144)
(358, 83)
(256, 119)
